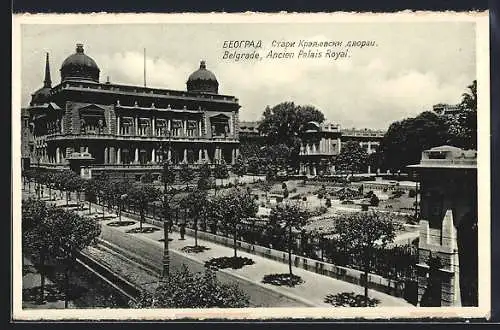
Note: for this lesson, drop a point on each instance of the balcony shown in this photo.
(138, 138)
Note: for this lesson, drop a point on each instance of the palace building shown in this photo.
(320, 142)
(127, 130)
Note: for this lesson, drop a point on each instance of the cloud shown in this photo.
(413, 66)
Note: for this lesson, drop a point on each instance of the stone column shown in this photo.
(119, 156)
(169, 125)
(205, 151)
(153, 128)
(369, 147)
(118, 130)
(169, 154)
(136, 157)
(112, 155)
(58, 155)
(185, 127)
(237, 152)
(136, 125)
(185, 158)
(200, 155)
(233, 156)
(199, 128)
(106, 160)
(153, 155)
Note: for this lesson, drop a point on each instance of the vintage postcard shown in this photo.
(251, 166)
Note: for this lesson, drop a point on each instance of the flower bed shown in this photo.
(194, 249)
(144, 230)
(121, 223)
(228, 262)
(283, 279)
(350, 299)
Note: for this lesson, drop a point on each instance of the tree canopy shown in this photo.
(404, 141)
(283, 122)
(185, 289)
(352, 158)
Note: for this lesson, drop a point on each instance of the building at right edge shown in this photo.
(448, 244)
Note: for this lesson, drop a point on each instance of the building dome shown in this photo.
(41, 96)
(203, 81)
(79, 66)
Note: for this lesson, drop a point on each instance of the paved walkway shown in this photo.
(313, 290)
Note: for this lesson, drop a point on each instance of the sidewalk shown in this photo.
(313, 291)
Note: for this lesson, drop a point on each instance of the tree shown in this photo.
(204, 175)
(193, 290)
(463, 124)
(197, 204)
(469, 99)
(352, 158)
(54, 232)
(240, 166)
(284, 217)
(70, 234)
(235, 206)
(37, 235)
(221, 172)
(141, 196)
(404, 141)
(186, 174)
(362, 232)
(283, 122)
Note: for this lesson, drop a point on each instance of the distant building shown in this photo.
(128, 130)
(321, 142)
(249, 133)
(448, 225)
(444, 109)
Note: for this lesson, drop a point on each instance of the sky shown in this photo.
(413, 65)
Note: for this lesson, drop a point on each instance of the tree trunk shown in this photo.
(234, 241)
(166, 255)
(42, 277)
(196, 233)
(366, 286)
(90, 207)
(67, 198)
(142, 218)
(102, 203)
(66, 285)
(290, 252)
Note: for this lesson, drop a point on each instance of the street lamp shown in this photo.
(166, 211)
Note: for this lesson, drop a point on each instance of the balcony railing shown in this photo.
(87, 136)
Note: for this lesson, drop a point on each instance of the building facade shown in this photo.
(448, 226)
(129, 130)
(321, 142)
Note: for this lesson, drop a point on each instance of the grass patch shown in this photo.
(228, 262)
(350, 299)
(283, 279)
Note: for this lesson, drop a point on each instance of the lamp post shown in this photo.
(166, 209)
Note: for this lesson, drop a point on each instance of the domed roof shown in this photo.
(79, 66)
(41, 96)
(202, 80)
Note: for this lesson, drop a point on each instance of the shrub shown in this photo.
(347, 202)
(293, 190)
(374, 200)
(350, 299)
(412, 193)
(328, 202)
(304, 198)
(320, 196)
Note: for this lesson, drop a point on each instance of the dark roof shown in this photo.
(79, 66)
(202, 74)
